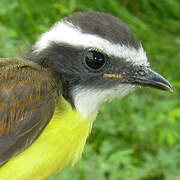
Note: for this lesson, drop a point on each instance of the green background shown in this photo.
(137, 137)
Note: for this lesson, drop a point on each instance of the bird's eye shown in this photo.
(94, 59)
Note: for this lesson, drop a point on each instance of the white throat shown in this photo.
(87, 101)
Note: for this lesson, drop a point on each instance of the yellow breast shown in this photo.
(61, 141)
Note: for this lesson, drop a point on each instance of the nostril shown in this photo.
(141, 72)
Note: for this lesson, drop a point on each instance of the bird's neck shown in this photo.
(61, 142)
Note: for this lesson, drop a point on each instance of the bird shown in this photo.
(50, 96)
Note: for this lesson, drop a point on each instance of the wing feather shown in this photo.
(28, 95)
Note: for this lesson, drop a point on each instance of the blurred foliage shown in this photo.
(138, 137)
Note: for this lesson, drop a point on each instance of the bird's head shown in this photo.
(97, 58)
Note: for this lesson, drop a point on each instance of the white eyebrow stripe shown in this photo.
(65, 32)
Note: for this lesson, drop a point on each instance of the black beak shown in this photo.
(149, 78)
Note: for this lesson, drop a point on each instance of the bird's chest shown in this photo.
(61, 142)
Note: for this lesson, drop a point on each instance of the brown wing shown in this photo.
(28, 95)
